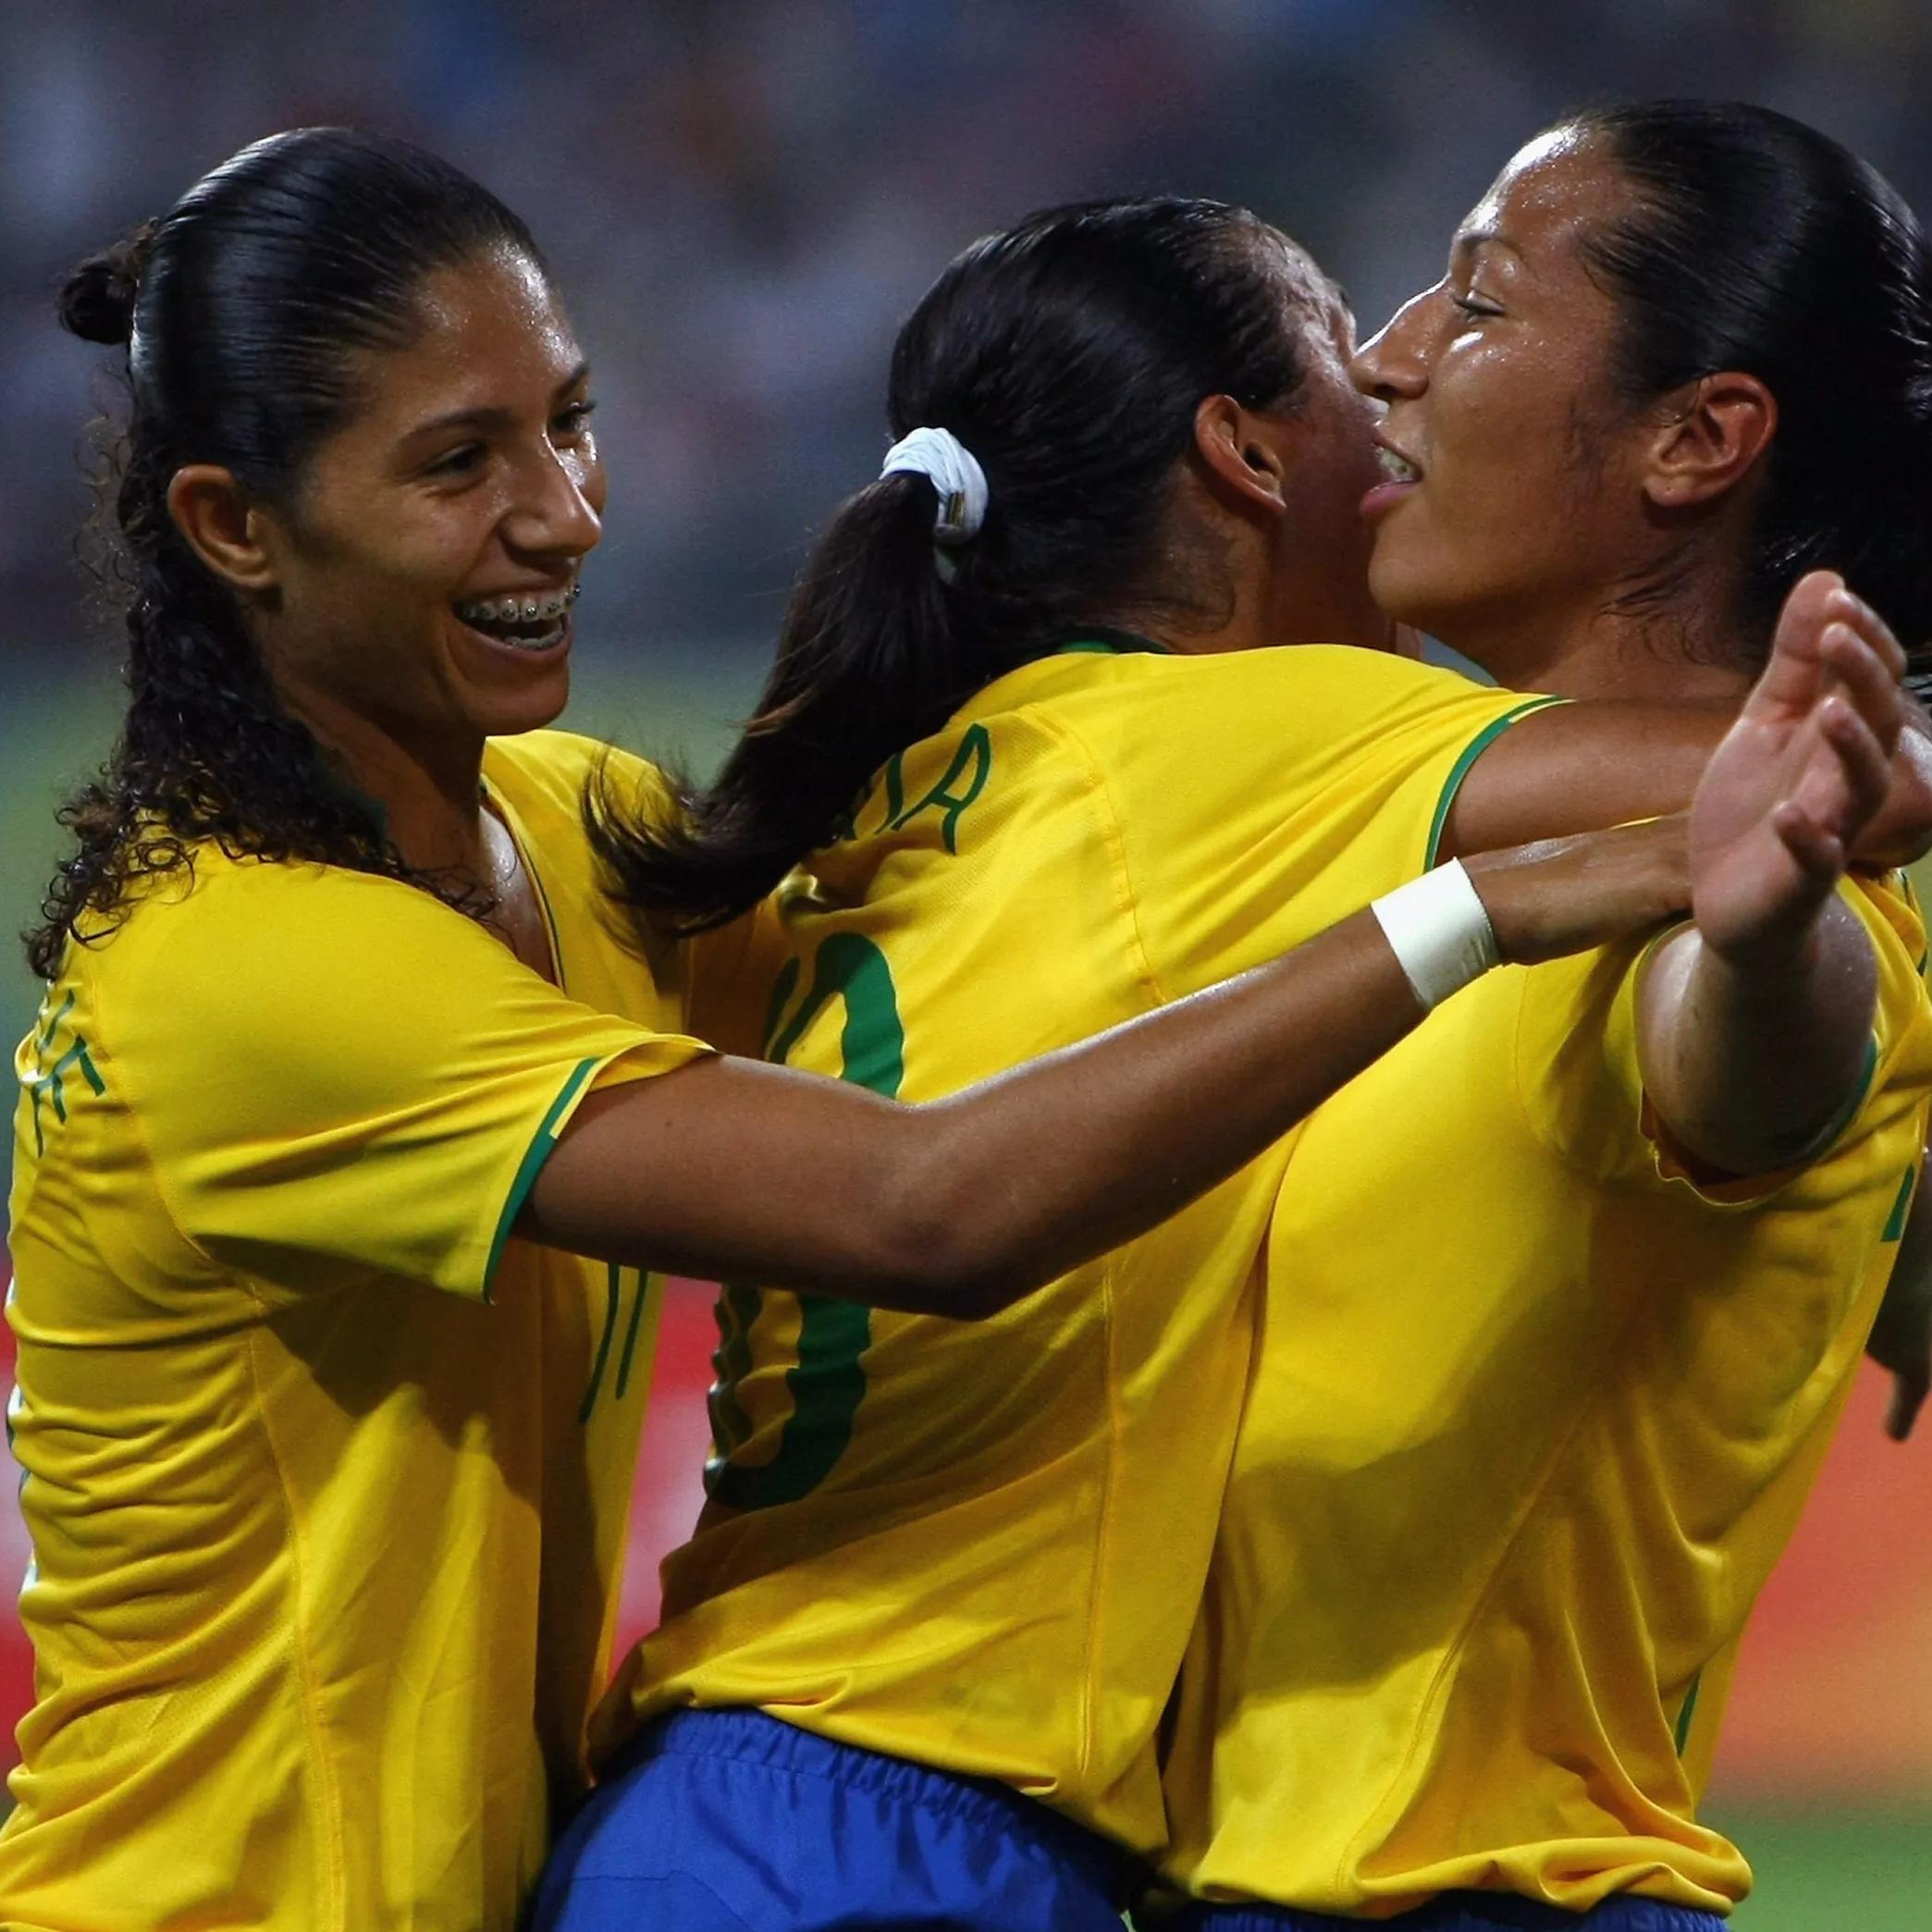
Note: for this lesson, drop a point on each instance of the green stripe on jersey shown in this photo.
(531, 1166)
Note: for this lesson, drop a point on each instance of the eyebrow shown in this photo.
(1468, 241)
(491, 418)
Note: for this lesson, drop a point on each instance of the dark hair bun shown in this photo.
(97, 300)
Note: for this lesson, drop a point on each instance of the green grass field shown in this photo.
(1821, 1871)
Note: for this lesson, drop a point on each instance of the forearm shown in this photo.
(1095, 1146)
(1751, 1063)
(731, 1169)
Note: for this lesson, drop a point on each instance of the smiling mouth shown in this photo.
(526, 623)
(1395, 468)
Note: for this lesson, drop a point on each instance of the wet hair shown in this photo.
(1757, 244)
(1069, 354)
(243, 312)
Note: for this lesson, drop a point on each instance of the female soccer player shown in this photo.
(324, 1559)
(1518, 1455)
(939, 1570)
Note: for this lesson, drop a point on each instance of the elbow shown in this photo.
(951, 1240)
(933, 1261)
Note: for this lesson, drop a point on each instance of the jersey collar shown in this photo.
(1105, 640)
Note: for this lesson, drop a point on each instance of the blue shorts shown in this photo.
(730, 1821)
(1459, 1912)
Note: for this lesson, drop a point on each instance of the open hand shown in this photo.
(1799, 776)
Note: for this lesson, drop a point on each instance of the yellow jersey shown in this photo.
(980, 1546)
(1533, 1416)
(324, 1559)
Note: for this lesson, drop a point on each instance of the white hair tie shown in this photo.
(956, 476)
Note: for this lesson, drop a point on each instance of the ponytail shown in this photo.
(1069, 356)
(876, 652)
(97, 300)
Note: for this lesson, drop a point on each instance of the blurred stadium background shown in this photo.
(741, 198)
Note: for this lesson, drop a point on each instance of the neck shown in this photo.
(1264, 610)
(1243, 631)
(1663, 657)
(428, 792)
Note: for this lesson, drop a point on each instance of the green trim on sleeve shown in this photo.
(1850, 1110)
(535, 1155)
(1895, 1221)
(1461, 769)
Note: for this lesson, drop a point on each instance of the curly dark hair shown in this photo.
(241, 311)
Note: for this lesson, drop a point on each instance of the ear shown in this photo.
(229, 534)
(1238, 448)
(1723, 426)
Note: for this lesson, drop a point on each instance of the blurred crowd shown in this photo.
(742, 197)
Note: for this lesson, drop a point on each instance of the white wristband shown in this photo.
(1440, 933)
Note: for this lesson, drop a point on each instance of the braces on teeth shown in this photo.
(523, 610)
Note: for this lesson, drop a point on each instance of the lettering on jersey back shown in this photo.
(47, 1083)
(884, 808)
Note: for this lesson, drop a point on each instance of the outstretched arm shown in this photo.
(1571, 767)
(732, 1168)
(728, 1168)
(1753, 1022)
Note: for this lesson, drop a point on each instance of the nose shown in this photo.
(554, 513)
(1390, 364)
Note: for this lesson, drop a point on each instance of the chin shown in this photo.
(540, 703)
(1404, 596)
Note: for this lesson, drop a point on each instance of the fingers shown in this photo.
(1794, 671)
(1860, 616)
(1800, 654)
(1820, 853)
(1853, 770)
(1845, 746)
(1840, 787)
(1867, 670)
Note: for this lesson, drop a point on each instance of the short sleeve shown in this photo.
(1581, 1078)
(335, 1074)
(1267, 793)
